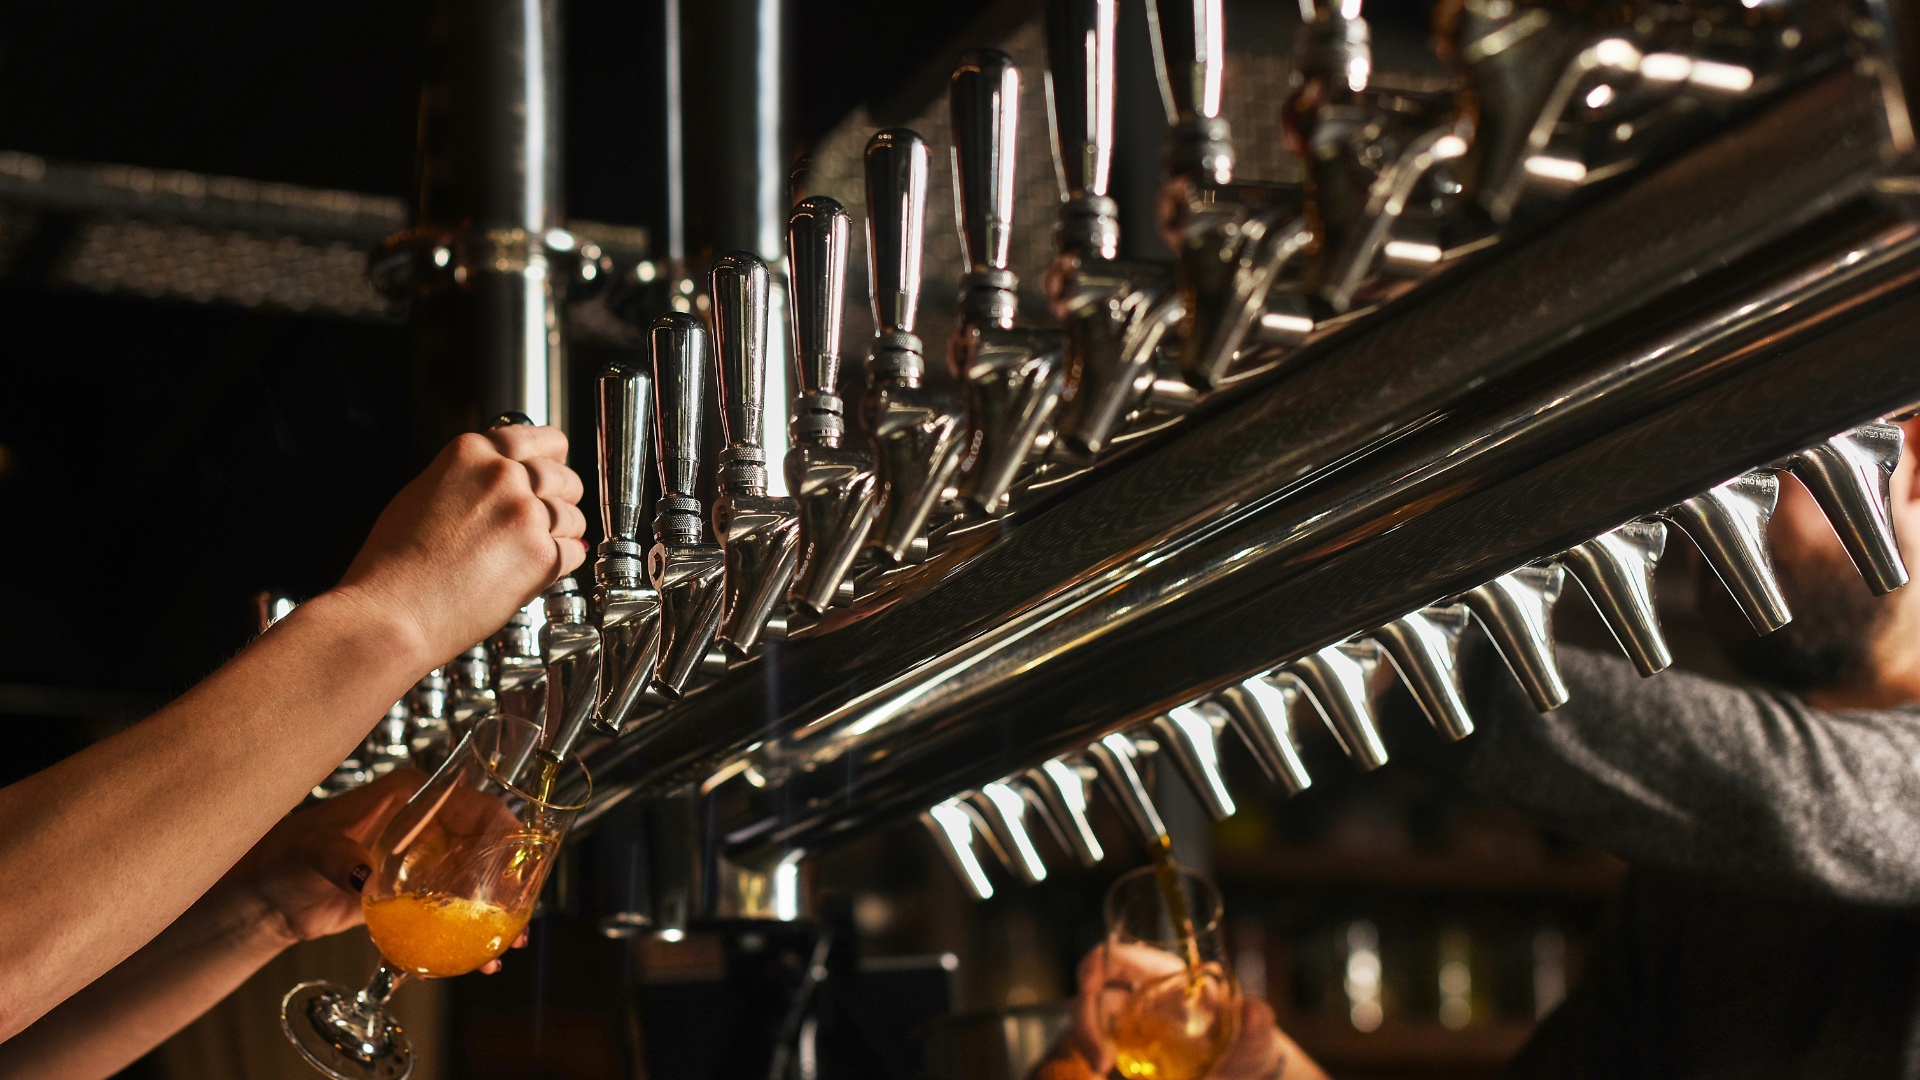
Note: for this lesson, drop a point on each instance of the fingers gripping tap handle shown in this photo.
(679, 345)
(738, 285)
(896, 174)
(818, 233)
(626, 408)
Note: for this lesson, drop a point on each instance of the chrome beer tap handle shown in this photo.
(1013, 379)
(571, 646)
(1080, 94)
(760, 533)
(1262, 709)
(919, 433)
(954, 824)
(1123, 767)
(688, 572)
(1851, 477)
(626, 603)
(1424, 646)
(1108, 358)
(1190, 735)
(1338, 680)
(1616, 569)
(1189, 38)
(519, 673)
(1729, 526)
(1517, 612)
(1006, 808)
(984, 99)
(1065, 784)
(837, 487)
(469, 689)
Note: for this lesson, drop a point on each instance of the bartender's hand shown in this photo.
(1261, 1051)
(494, 520)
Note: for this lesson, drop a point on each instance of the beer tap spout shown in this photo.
(919, 433)
(688, 572)
(760, 533)
(836, 486)
(625, 602)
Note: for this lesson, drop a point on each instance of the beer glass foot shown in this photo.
(342, 1036)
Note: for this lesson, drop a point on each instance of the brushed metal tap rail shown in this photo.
(1741, 302)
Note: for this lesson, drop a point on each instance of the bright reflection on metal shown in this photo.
(1600, 96)
(1563, 170)
(1011, 809)
(1731, 78)
(952, 826)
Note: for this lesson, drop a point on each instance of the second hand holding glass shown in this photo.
(1170, 1007)
(457, 873)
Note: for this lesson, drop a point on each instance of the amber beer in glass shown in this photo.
(1170, 1006)
(455, 878)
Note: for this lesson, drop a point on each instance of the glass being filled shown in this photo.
(1170, 1006)
(457, 873)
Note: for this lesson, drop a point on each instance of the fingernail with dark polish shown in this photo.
(358, 879)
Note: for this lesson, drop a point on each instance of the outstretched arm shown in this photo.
(103, 851)
(1736, 784)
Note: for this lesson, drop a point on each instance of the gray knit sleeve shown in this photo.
(1748, 786)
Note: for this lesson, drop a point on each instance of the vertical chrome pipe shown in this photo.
(488, 251)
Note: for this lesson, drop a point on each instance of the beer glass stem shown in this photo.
(372, 999)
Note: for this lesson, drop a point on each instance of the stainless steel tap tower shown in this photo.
(1486, 347)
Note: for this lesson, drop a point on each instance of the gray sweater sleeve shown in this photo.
(1749, 787)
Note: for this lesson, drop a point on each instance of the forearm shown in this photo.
(1708, 778)
(190, 966)
(162, 810)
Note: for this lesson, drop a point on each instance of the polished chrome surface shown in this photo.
(1009, 813)
(837, 487)
(1851, 477)
(1080, 100)
(919, 433)
(984, 102)
(1424, 646)
(570, 647)
(688, 573)
(626, 602)
(1124, 769)
(1013, 379)
(1516, 610)
(1190, 46)
(954, 823)
(1189, 736)
(1707, 318)
(760, 534)
(1729, 525)
(1616, 568)
(1263, 710)
(1066, 785)
(1339, 681)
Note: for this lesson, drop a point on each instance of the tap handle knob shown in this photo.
(985, 100)
(1189, 38)
(738, 285)
(678, 342)
(1080, 92)
(818, 233)
(626, 408)
(896, 168)
(510, 419)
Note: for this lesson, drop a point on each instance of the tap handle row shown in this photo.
(626, 409)
(985, 98)
(818, 232)
(679, 345)
(738, 284)
(897, 162)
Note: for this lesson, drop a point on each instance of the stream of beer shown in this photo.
(1167, 873)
